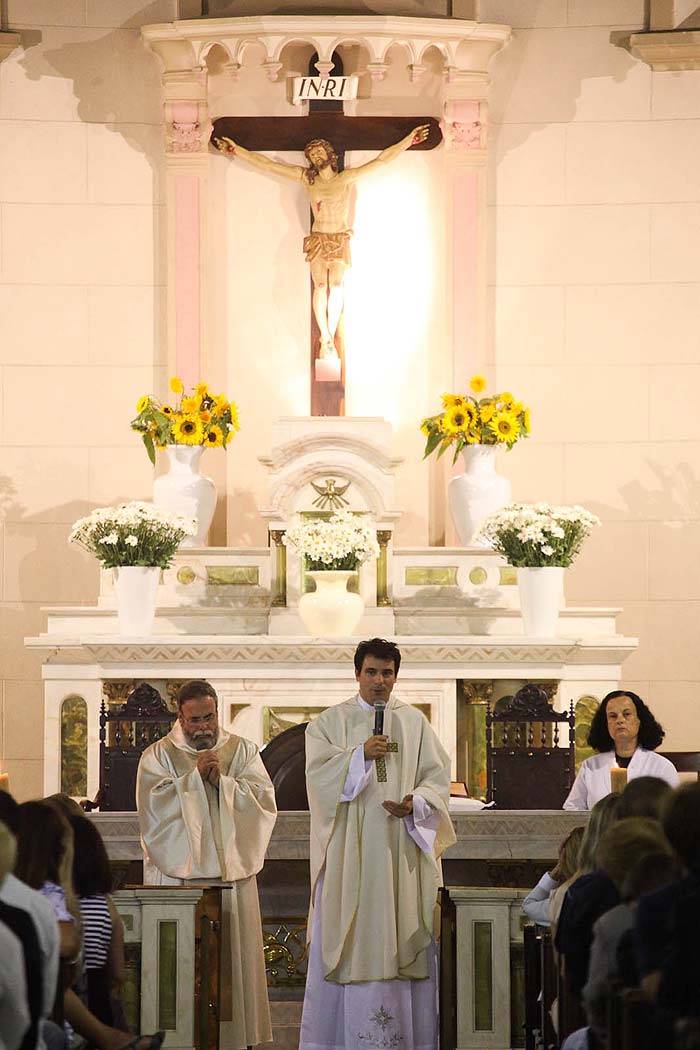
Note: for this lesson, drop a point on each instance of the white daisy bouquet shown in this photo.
(198, 418)
(342, 541)
(466, 419)
(532, 535)
(132, 534)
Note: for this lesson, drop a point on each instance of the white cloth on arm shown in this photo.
(593, 780)
(536, 904)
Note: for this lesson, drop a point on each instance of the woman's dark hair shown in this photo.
(380, 649)
(41, 839)
(644, 797)
(650, 732)
(91, 871)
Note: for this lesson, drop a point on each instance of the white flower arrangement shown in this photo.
(339, 542)
(132, 534)
(537, 534)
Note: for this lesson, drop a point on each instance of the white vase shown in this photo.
(331, 610)
(135, 587)
(541, 598)
(478, 492)
(184, 490)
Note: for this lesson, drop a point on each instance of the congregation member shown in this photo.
(206, 810)
(103, 929)
(17, 894)
(15, 1017)
(625, 733)
(537, 904)
(378, 782)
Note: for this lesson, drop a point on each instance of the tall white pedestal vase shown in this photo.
(478, 492)
(136, 587)
(541, 599)
(185, 490)
(331, 611)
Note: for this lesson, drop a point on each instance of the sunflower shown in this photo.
(167, 410)
(456, 419)
(214, 437)
(507, 398)
(201, 390)
(219, 405)
(205, 416)
(517, 408)
(505, 427)
(486, 411)
(452, 400)
(188, 431)
(526, 421)
(233, 408)
(473, 437)
(143, 403)
(426, 427)
(176, 385)
(477, 383)
(190, 405)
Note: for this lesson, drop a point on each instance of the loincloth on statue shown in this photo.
(331, 247)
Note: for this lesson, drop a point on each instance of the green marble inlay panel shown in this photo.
(517, 996)
(167, 975)
(74, 746)
(483, 976)
(130, 995)
(477, 575)
(230, 575)
(431, 576)
(508, 575)
(584, 710)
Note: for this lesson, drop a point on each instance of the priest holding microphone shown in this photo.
(378, 782)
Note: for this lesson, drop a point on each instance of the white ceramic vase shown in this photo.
(136, 587)
(541, 599)
(478, 492)
(184, 490)
(331, 610)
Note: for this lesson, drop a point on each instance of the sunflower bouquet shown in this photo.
(497, 419)
(200, 418)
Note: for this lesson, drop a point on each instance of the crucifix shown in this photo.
(325, 137)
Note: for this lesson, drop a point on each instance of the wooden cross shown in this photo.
(283, 134)
(391, 747)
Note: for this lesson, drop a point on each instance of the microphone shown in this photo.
(379, 706)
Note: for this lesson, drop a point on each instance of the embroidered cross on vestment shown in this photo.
(393, 748)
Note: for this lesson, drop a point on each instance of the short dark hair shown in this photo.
(681, 822)
(648, 873)
(644, 797)
(92, 874)
(379, 647)
(650, 732)
(195, 689)
(9, 812)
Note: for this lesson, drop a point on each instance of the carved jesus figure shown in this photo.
(327, 248)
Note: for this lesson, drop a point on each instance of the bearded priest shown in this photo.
(378, 782)
(206, 810)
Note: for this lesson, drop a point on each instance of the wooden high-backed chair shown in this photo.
(125, 733)
(525, 766)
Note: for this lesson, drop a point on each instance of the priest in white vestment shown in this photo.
(206, 810)
(375, 867)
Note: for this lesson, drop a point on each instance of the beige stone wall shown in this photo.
(81, 312)
(596, 312)
(595, 275)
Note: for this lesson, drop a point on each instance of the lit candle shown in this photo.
(5, 782)
(618, 779)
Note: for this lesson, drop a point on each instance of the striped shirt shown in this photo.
(97, 930)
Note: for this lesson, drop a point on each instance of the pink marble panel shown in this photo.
(187, 279)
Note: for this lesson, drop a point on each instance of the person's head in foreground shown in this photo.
(681, 823)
